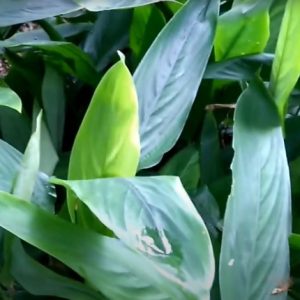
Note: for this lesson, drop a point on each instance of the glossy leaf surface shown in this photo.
(155, 218)
(286, 66)
(255, 254)
(242, 30)
(168, 77)
(9, 98)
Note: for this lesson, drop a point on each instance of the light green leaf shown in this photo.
(39, 280)
(286, 65)
(184, 164)
(110, 267)
(255, 252)
(9, 98)
(26, 178)
(155, 218)
(169, 75)
(10, 161)
(107, 143)
(243, 30)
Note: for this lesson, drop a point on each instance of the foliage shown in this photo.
(149, 149)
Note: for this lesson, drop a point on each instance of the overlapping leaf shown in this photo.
(286, 66)
(156, 219)
(169, 75)
(255, 254)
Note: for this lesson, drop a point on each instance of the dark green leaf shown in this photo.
(169, 75)
(184, 164)
(102, 44)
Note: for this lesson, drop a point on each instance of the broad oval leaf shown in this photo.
(168, 77)
(155, 218)
(286, 66)
(243, 30)
(255, 252)
(110, 267)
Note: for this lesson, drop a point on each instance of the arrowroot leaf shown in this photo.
(255, 252)
(156, 219)
(107, 143)
(97, 5)
(168, 77)
(243, 30)
(286, 65)
(110, 266)
(9, 98)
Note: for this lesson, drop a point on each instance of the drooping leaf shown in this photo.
(107, 143)
(97, 5)
(39, 280)
(102, 44)
(168, 77)
(286, 65)
(155, 218)
(64, 56)
(243, 30)
(9, 98)
(110, 266)
(184, 164)
(255, 253)
(16, 12)
(241, 68)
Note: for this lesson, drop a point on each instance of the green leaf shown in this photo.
(110, 267)
(210, 157)
(155, 218)
(63, 56)
(96, 5)
(146, 24)
(243, 30)
(255, 252)
(15, 12)
(102, 44)
(286, 65)
(9, 98)
(184, 164)
(107, 143)
(25, 180)
(39, 280)
(169, 75)
(54, 101)
(241, 68)
(66, 30)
